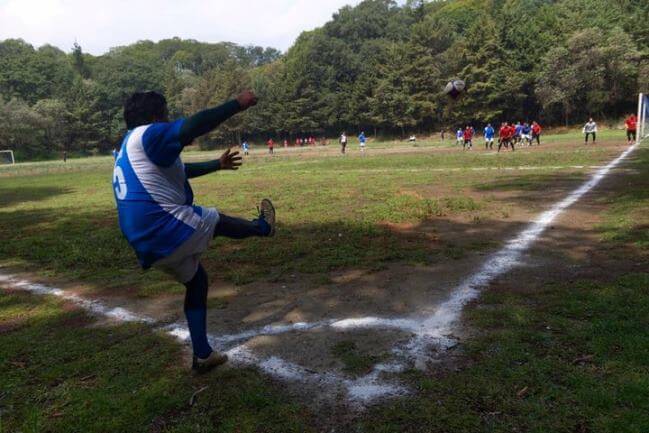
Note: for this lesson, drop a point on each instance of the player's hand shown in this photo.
(230, 160)
(247, 99)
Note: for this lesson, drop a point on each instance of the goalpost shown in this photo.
(642, 131)
(7, 157)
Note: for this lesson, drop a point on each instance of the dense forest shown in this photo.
(379, 66)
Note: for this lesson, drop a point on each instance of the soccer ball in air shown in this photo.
(455, 88)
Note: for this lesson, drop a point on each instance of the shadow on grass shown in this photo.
(12, 196)
(521, 375)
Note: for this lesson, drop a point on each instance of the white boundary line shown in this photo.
(428, 330)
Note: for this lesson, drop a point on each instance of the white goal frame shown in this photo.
(643, 116)
(11, 153)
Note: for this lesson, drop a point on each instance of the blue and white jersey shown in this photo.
(518, 129)
(459, 134)
(362, 139)
(489, 132)
(154, 198)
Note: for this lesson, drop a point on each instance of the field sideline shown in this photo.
(358, 235)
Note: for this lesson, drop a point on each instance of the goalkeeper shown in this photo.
(155, 202)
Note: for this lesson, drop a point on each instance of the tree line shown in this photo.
(379, 67)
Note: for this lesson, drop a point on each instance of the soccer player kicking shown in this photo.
(156, 208)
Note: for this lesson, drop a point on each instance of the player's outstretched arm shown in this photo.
(207, 120)
(228, 161)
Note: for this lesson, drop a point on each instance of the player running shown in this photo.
(155, 202)
(489, 134)
(631, 125)
(271, 146)
(590, 128)
(459, 137)
(245, 146)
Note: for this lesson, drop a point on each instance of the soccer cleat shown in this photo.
(267, 216)
(204, 365)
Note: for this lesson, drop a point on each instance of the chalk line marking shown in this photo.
(428, 329)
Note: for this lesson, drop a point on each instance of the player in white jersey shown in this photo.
(156, 207)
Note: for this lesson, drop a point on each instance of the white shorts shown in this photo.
(362, 144)
(489, 140)
(183, 263)
(526, 137)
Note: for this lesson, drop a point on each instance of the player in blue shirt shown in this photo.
(518, 131)
(526, 134)
(155, 202)
(246, 147)
(489, 134)
(362, 140)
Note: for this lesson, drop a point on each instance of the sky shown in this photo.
(100, 25)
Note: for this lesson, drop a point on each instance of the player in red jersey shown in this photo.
(536, 133)
(631, 125)
(468, 137)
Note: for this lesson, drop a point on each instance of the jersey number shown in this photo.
(119, 184)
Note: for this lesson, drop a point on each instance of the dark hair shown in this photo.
(143, 108)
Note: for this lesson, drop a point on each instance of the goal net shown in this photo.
(7, 157)
(643, 117)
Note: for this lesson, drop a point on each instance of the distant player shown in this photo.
(536, 132)
(343, 142)
(285, 143)
(468, 138)
(489, 134)
(362, 140)
(459, 137)
(245, 146)
(502, 136)
(511, 136)
(271, 146)
(526, 134)
(155, 203)
(506, 136)
(631, 124)
(518, 132)
(590, 129)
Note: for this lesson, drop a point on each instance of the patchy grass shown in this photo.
(335, 212)
(557, 356)
(355, 362)
(574, 358)
(61, 372)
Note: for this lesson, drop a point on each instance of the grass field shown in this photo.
(550, 350)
